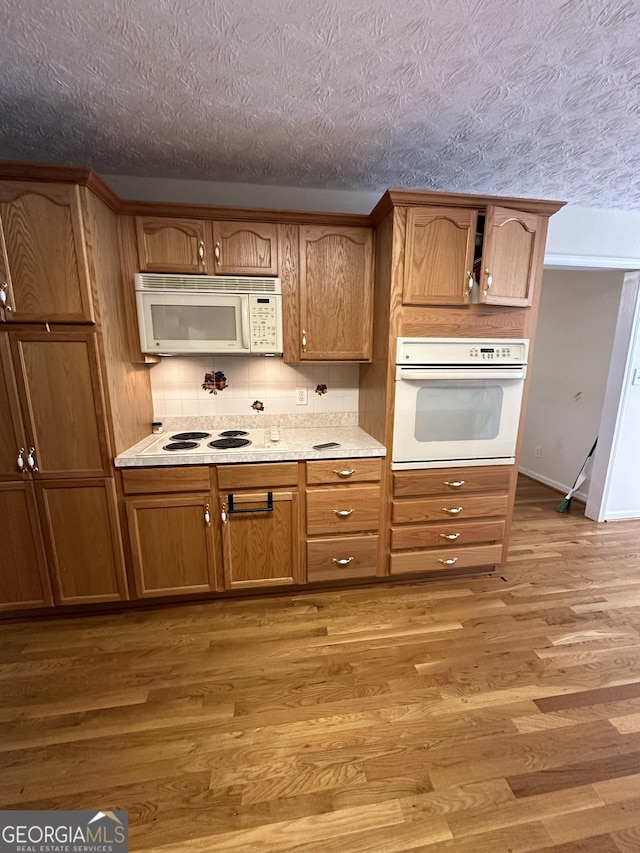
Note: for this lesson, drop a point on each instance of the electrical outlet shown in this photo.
(537, 452)
(301, 396)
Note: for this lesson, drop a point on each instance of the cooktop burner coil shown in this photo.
(180, 445)
(229, 443)
(232, 433)
(189, 436)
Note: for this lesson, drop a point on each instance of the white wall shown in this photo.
(574, 339)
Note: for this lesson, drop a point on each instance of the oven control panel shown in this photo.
(462, 351)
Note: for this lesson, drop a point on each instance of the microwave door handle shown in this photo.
(244, 313)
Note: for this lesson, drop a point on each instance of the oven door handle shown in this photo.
(421, 373)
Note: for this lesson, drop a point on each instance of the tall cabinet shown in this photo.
(61, 532)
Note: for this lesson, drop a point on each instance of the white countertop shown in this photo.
(295, 444)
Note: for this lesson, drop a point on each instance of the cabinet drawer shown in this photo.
(450, 534)
(453, 507)
(148, 481)
(440, 481)
(343, 470)
(434, 561)
(359, 555)
(360, 505)
(265, 475)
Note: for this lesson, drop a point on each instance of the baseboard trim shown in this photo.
(554, 484)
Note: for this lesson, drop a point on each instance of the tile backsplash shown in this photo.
(176, 385)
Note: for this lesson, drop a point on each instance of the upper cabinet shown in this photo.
(512, 256)
(336, 293)
(438, 265)
(173, 245)
(245, 248)
(44, 274)
(196, 246)
(439, 256)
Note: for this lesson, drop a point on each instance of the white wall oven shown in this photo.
(457, 401)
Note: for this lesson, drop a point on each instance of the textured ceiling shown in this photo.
(508, 97)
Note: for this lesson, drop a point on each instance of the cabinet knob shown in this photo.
(488, 282)
(344, 562)
(343, 513)
(454, 510)
(216, 252)
(450, 536)
(450, 562)
(346, 473)
(207, 515)
(454, 484)
(201, 251)
(304, 341)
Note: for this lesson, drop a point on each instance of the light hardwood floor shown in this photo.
(475, 716)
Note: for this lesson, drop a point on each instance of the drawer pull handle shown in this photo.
(343, 513)
(456, 484)
(345, 473)
(344, 562)
(450, 536)
(233, 511)
(454, 510)
(450, 562)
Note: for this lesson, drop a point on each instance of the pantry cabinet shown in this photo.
(44, 275)
(336, 293)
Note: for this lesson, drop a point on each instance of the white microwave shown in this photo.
(205, 314)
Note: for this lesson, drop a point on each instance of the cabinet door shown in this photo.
(245, 248)
(82, 537)
(512, 257)
(62, 404)
(13, 443)
(23, 571)
(171, 544)
(261, 545)
(44, 254)
(439, 256)
(172, 245)
(336, 293)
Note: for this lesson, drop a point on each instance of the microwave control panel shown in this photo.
(264, 322)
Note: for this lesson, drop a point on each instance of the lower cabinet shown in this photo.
(259, 518)
(448, 519)
(343, 518)
(24, 581)
(169, 514)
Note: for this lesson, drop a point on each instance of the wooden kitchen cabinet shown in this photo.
(83, 541)
(173, 245)
(512, 256)
(44, 274)
(336, 293)
(439, 256)
(343, 517)
(439, 248)
(245, 248)
(449, 519)
(24, 581)
(259, 517)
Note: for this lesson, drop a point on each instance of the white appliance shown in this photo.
(457, 401)
(196, 443)
(205, 314)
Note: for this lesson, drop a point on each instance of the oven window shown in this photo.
(194, 322)
(458, 412)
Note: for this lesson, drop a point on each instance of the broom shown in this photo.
(565, 503)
